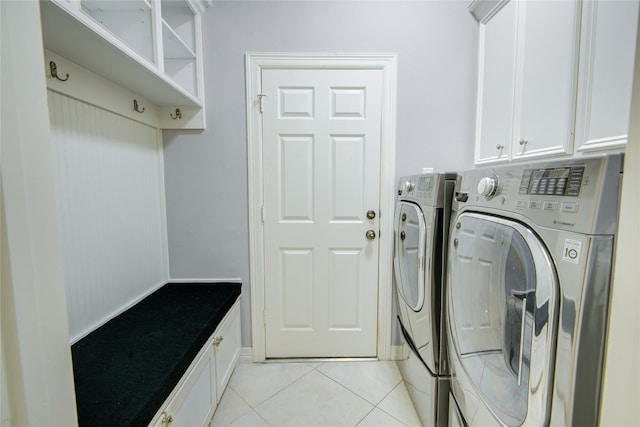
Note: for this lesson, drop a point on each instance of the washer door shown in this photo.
(410, 254)
(502, 302)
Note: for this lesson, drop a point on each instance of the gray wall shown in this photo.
(206, 172)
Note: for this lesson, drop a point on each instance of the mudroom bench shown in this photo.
(165, 361)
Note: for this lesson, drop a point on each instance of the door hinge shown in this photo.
(260, 97)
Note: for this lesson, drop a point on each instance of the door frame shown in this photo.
(255, 63)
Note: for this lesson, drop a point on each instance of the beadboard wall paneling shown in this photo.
(109, 187)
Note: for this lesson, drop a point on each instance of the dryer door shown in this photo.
(502, 300)
(410, 254)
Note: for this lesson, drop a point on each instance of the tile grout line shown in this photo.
(373, 406)
(369, 402)
(387, 395)
(254, 408)
(349, 390)
(316, 368)
(239, 397)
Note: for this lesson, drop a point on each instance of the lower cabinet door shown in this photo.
(195, 401)
(227, 351)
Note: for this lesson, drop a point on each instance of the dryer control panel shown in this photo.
(424, 189)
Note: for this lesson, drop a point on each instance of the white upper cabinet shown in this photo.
(527, 79)
(608, 45)
(548, 39)
(152, 48)
(496, 86)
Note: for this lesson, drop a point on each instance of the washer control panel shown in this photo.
(563, 181)
(574, 194)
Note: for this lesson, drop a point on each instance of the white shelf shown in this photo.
(129, 21)
(82, 40)
(180, 17)
(173, 45)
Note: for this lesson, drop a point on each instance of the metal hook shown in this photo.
(177, 116)
(54, 72)
(260, 97)
(135, 106)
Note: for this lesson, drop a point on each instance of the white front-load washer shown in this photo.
(420, 235)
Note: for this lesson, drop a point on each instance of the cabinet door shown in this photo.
(546, 77)
(196, 399)
(607, 53)
(496, 85)
(228, 350)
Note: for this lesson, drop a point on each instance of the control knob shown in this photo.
(409, 186)
(488, 186)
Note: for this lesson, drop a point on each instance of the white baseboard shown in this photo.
(246, 355)
(396, 352)
(202, 280)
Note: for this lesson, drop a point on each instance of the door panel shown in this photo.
(297, 288)
(347, 178)
(321, 166)
(296, 177)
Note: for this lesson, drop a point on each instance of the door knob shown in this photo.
(370, 234)
(371, 214)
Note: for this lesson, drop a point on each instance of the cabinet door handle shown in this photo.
(523, 141)
(217, 341)
(499, 147)
(166, 419)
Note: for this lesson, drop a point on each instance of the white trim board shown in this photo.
(216, 280)
(255, 63)
(246, 355)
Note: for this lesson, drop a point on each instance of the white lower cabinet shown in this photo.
(195, 398)
(194, 401)
(227, 351)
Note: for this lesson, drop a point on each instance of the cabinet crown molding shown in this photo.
(483, 10)
(199, 6)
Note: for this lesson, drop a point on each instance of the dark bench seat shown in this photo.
(126, 369)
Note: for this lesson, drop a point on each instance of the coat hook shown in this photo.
(260, 99)
(177, 116)
(54, 72)
(135, 106)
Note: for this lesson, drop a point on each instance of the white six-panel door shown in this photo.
(321, 168)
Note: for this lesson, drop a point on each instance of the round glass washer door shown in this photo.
(410, 237)
(503, 296)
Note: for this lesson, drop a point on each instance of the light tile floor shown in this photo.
(323, 394)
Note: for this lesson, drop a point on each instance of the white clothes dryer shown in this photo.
(529, 272)
(420, 231)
